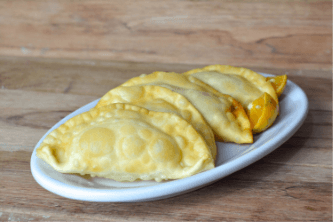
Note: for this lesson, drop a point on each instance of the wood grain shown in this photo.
(292, 183)
(37, 93)
(234, 197)
(93, 77)
(271, 34)
(56, 56)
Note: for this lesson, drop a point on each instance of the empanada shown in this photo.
(157, 98)
(245, 85)
(224, 114)
(127, 143)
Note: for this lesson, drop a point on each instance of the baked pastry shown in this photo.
(246, 86)
(223, 114)
(127, 143)
(160, 99)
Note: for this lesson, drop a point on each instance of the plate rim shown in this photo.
(170, 188)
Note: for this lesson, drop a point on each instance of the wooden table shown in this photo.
(292, 183)
(38, 88)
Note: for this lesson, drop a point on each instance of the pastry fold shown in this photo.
(223, 113)
(244, 85)
(126, 143)
(160, 99)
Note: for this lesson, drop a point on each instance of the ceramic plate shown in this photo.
(230, 158)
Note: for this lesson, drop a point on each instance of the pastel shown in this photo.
(126, 143)
(157, 98)
(244, 85)
(224, 114)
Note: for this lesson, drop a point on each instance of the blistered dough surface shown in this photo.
(226, 116)
(157, 98)
(217, 109)
(126, 143)
(242, 84)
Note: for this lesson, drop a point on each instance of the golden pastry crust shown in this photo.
(245, 85)
(160, 99)
(161, 77)
(211, 76)
(126, 143)
(217, 109)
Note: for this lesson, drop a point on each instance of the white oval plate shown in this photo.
(230, 158)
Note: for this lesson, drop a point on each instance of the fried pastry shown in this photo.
(127, 143)
(224, 114)
(247, 87)
(160, 99)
